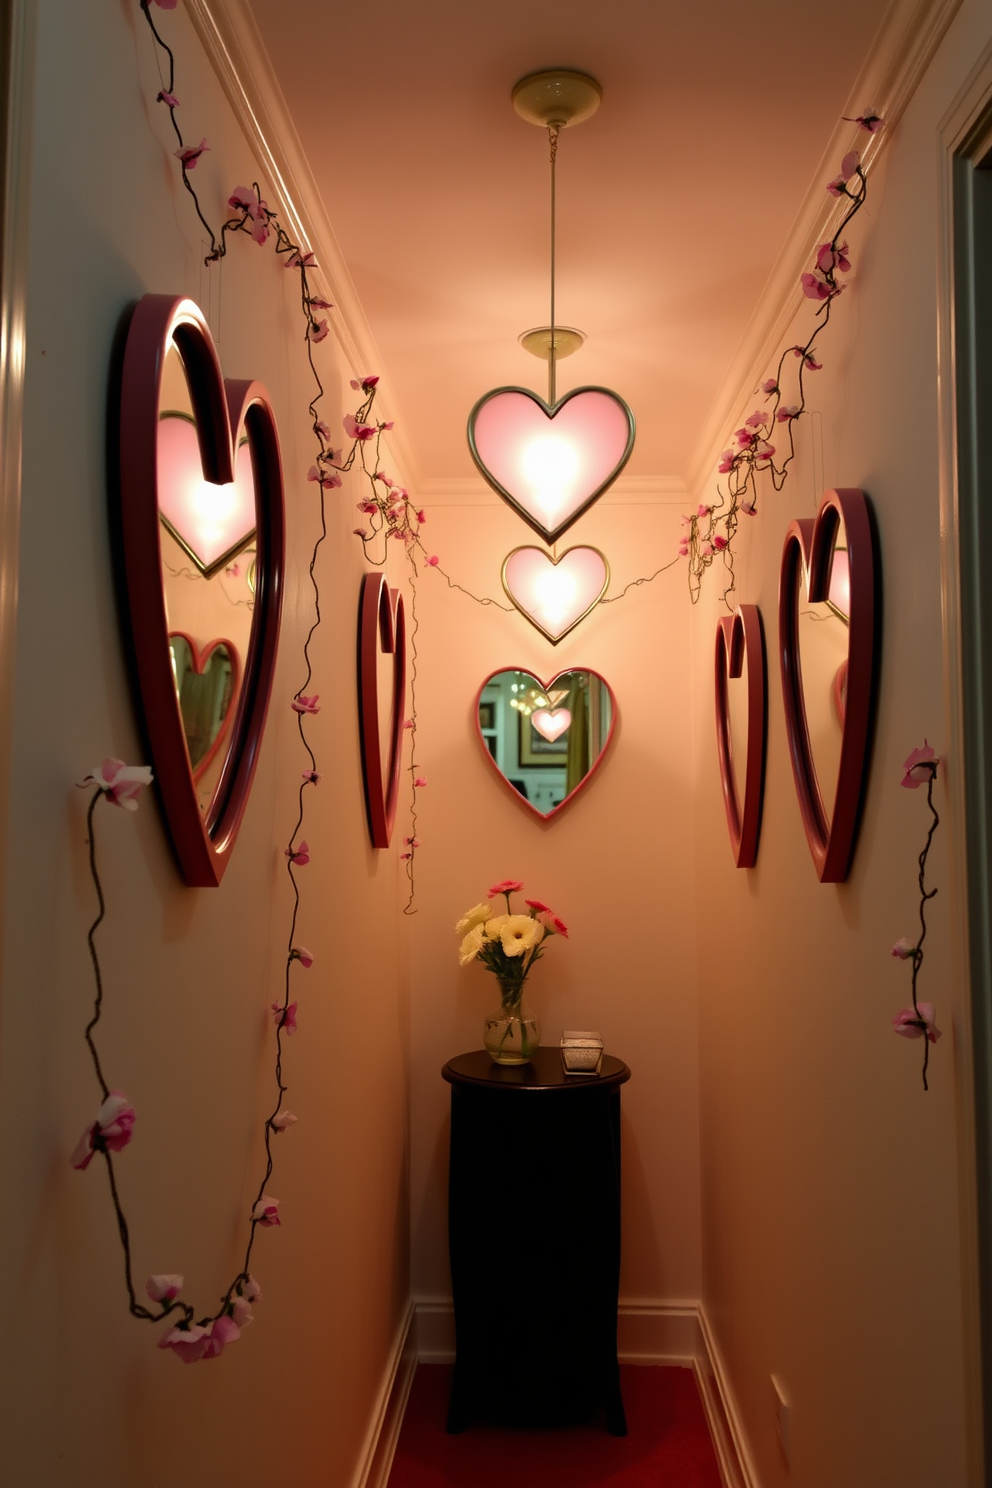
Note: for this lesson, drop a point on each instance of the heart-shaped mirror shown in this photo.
(381, 695)
(555, 593)
(550, 463)
(828, 654)
(545, 739)
(741, 713)
(200, 516)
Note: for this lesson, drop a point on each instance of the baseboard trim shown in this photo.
(649, 1331)
(380, 1445)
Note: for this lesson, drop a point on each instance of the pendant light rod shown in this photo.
(553, 132)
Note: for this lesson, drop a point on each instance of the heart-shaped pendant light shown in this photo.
(555, 593)
(550, 462)
(211, 522)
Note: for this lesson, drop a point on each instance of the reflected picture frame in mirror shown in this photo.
(740, 651)
(203, 840)
(381, 630)
(807, 560)
(549, 752)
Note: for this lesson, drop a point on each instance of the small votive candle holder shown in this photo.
(581, 1052)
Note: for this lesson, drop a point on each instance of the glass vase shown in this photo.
(512, 1033)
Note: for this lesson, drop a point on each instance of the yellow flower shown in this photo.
(471, 945)
(518, 933)
(494, 926)
(473, 917)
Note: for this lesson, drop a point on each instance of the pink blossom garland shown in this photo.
(920, 768)
(120, 784)
(712, 531)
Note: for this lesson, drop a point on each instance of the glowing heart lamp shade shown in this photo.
(210, 522)
(555, 596)
(551, 462)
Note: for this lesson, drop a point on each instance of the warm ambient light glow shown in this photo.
(211, 522)
(550, 466)
(555, 596)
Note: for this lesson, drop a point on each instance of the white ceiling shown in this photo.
(674, 199)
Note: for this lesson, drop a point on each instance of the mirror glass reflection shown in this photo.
(823, 647)
(208, 552)
(545, 742)
(737, 714)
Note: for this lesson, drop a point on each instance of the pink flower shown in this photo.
(241, 1312)
(266, 1212)
(828, 258)
(221, 1331)
(816, 289)
(421, 517)
(903, 950)
(189, 1342)
(169, 98)
(368, 505)
(769, 386)
(750, 505)
(506, 886)
(744, 438)
(726, 462)
(190, 154)
(702, 510)
(164, 1288)
(250, 1289)
(111, 1131)
(298, 260)
(790, 411)
(706, 548)
(260, 229)
(303, 704)
(809, 361)
(311, 777)
(320, 427)
(385, 428)
(850, 164)
(419, 781)
(360, 532)
(408, 723)
(763, 450)
(868, 120)
(405, 857)
(757, 418)
(317, 302)
(317, 329)
(122, 784)
(329, 479)
(366, 385)
(284, 1119)
(552, 923)
(683, 547)
(244, 199)
(536, 904)
(411, 842)
(355, 430)
(432, 561)
(285, 1017)
(299, 855)
(913, 1024)
(301, 954)
(920, 766)
(720, 542)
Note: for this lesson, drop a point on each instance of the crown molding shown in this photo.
(626, 490)
(904, 46)
(230, 37)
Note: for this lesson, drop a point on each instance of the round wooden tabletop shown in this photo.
(544, 1072)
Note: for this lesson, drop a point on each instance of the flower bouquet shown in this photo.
(508, 944)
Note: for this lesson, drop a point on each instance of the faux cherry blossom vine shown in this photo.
(190, 1338)
(709, 533)
(918, 1021)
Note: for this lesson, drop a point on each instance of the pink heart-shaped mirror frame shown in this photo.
(381, 625)
(548, 689)
(806, 560)
(740, 638)
(203, 844)
(592, 572)
(494, 443)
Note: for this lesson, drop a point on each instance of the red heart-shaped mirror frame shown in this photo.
(740, 638)
(548, 687)
(203, 844)
(806, 558)
(381, 625)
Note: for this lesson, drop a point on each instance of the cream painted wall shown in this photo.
(616, 865)
(831, 1207)
(189, 973)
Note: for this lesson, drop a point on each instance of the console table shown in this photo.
(534, 1238)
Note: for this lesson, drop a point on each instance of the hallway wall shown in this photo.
(831, 1207)
(189, 973)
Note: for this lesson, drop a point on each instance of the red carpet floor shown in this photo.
(668, 1445)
